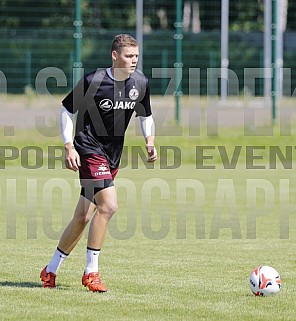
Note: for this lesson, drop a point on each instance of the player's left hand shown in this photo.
(152, 153)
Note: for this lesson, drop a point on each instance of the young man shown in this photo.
(104, 101)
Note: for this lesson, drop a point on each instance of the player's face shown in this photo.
(125, 62)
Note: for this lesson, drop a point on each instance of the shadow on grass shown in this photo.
(20, 284)
(28, 285)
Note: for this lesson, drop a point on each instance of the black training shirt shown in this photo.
(105, 107)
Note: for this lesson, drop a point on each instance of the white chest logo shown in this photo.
(106, 104)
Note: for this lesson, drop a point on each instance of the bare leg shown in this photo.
(74, 231)
(106, 201)
(106, 206)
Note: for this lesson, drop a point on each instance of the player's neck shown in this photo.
(118, 74)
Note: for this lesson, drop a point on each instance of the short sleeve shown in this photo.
(75, 99)
(143, 108)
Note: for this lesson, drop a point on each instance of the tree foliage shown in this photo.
(115, 14)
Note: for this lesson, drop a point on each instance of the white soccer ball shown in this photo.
(265, 281)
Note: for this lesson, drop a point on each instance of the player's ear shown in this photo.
(114, 55)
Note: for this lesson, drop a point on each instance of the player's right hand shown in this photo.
(72, 159)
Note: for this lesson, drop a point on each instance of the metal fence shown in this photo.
(36, 35)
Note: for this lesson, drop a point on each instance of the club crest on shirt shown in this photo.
(133, 93)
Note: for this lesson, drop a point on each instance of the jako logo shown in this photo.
(107, 104)
(102, 170)
(124, 105)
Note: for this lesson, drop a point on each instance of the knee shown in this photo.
(108, 209)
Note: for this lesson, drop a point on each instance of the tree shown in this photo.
(115, 14)
(246, 15)
(36, 14)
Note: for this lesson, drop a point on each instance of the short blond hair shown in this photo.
(123, 40)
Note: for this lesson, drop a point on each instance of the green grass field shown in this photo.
(181, 246)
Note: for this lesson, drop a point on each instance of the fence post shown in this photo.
(28, 67)
(178, 64)
(274, 58)
(224, 48)
(139, 32)
(77, 36)
(164, 73)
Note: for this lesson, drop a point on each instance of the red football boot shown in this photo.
(93, 282)
(48, 279)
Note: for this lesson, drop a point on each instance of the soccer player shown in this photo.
(104, 101)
